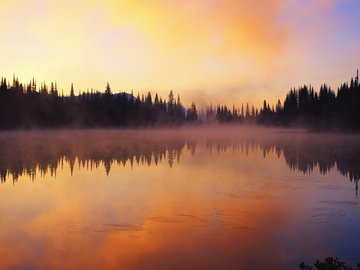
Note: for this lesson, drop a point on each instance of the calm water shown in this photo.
(177, 199)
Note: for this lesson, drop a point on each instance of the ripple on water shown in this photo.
(334, 212)
(104, 228)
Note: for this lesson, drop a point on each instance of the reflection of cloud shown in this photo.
(138, 219)
(229, 204)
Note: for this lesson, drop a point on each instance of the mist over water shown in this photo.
(25, 153)
(188, 198)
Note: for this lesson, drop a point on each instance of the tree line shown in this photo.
(28, 106)
(324, 109)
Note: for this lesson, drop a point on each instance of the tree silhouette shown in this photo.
(25, 106)
(304, 107)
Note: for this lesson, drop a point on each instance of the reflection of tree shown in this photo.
(43, 152)
(304, 155)
(345, 156)
(30, 153)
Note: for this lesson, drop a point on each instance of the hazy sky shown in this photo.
(206, 50)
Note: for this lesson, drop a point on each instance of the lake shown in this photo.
(190, 198)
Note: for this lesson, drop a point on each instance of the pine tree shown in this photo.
(72, 93)
(108, 89)
(247, 111)
(171, 98)
(148, 99)
(178, 101)
(156, 100)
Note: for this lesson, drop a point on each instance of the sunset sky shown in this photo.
(205, 50)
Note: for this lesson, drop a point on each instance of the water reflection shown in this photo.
(176, 199)
(31, 152)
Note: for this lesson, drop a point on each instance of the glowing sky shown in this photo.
(206, 50)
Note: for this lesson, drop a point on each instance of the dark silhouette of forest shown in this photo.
(329, 263)
(27, 106)
(43, 152)
(304, 107)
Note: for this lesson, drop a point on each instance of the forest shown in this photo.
(27, 106)
(304, 107)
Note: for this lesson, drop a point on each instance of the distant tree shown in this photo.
(278, 106)
(171, 98)
(192, 114)
(247, 112)
(178, 101)
(148, 99)
(72, 93)
(108, 89)
(156, 100)
(253, 114)
(44, 89)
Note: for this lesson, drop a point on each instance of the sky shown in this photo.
(208, 51)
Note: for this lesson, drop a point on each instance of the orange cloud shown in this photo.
(159, 45)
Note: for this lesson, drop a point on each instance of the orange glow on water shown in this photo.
(211, 210)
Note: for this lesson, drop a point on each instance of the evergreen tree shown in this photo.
(108, 89)
(171, 98)
(72, 93)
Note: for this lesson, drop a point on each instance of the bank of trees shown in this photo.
(33, 106)
(324, 109)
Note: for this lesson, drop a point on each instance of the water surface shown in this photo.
(209, 198)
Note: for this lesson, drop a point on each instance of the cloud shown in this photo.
(164, 44)
(250, 28)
